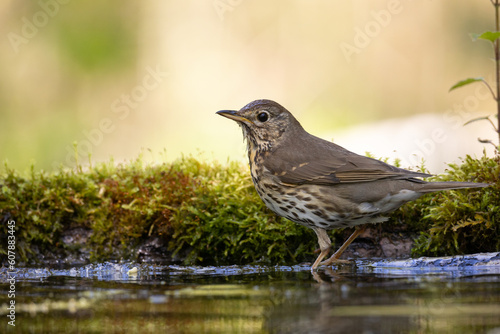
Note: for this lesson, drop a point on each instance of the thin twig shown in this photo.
(492, 124)
(486, 141)
(491, 89)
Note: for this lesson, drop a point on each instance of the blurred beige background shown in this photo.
(118, 78)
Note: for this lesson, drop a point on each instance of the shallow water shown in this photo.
(361, 297)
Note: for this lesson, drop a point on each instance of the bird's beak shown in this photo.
(232, 114)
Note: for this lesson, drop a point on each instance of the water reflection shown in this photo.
(358, 298)
(395, 301)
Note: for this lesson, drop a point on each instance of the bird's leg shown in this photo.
(324, 245)
(335, 257)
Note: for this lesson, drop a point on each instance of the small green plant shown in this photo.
(493, 38)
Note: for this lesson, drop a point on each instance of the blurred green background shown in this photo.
(122, 77)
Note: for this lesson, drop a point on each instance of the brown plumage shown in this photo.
(319, 184)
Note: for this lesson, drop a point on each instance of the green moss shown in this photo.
(210, 214)
(461, 221)
(227, 223)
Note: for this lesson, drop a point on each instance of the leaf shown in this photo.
(466, 82)
(491, 36)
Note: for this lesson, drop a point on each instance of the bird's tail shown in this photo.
(428, 187)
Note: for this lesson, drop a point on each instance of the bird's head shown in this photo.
(263, 123)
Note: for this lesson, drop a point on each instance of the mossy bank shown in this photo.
(195, 212)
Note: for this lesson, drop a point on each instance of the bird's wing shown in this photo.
(332, 165)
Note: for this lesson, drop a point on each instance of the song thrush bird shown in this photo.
(319, 184)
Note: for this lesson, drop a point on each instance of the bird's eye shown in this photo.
(263, 117)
